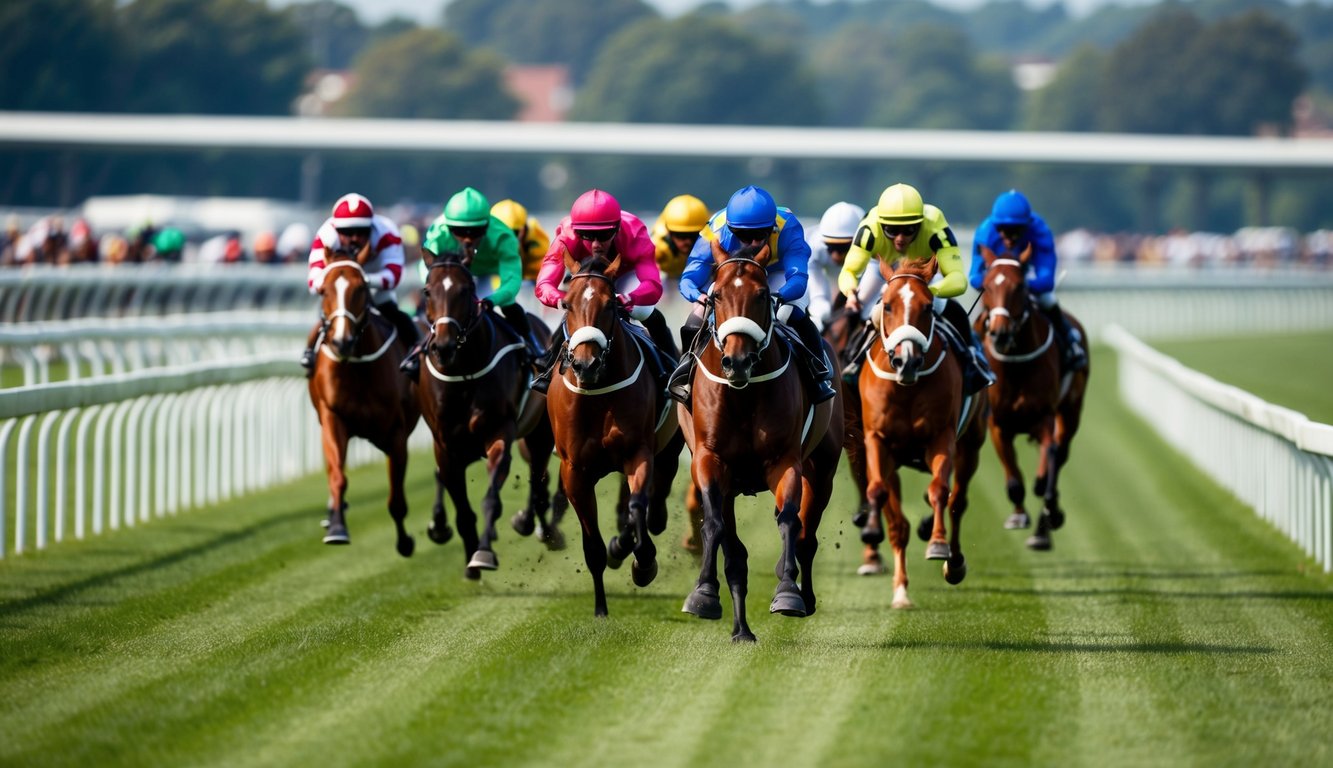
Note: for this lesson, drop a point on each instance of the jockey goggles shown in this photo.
(471, 233)
(597, 235)
(1011, 231)
(893, 230)
(748, 235)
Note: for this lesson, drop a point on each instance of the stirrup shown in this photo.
(411, 365)
(678, 384)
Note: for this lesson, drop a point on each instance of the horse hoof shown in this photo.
(614, 557)
(337, 534)
(938, 550)
(1056, 517)
(643, 573)
(657, 519)
(440, 534)
(870, 569)
(1039, 543)
(900, 600)
(472, 574)
(872, 536)
(861, 517)
(484, 560)
(553, 538)
(788, 604)
(744, 636)
(406, 546)
(704, 603)
(1017, 521)
(954, 573)
(523, 524)
(925, 528)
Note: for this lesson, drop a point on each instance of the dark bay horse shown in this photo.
(753, 428)
(473, 388)
(913, 411)
(358, 392)
(610, 415)
(1030, 395)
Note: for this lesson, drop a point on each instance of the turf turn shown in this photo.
(1169, 626)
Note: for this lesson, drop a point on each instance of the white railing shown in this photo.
(1274, 459)
(93, 347)
(79, 458)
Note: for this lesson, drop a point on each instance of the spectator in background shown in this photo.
(168, 245)
(294, 243)
(9, 240)
(115, 249)
(232, 250)
(82, 247)
(265, 248)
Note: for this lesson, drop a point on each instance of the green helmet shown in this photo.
(169, 240)
(468, 208)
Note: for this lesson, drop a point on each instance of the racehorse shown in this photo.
(914, 415)
(754, 428)
(843, 333)
(610, 415)
(473, 388)
(1030, 395)
(357, 390)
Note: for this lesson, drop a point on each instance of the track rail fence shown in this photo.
(1272, 458)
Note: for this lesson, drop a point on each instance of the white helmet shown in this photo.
(839, 222)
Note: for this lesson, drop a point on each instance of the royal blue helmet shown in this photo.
(1011, 209)
(752, 208)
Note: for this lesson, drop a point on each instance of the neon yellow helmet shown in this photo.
(514, 215)
(901, 204)
(685, 213)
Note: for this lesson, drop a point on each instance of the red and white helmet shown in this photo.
(352, 211)
(595, 209)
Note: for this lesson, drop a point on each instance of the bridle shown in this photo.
(1003, 311)
(356, 321)
(905, 332)
(588, 334)
(474, 318)
(741, 324)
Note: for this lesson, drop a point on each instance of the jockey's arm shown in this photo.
(548, 279)
(795, 261)
(649, 290)
(984, 237)
(949, 261)
(510, 266)
(1041, 278)
(699, 268)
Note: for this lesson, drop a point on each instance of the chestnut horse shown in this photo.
(473, 388)
(914, 415)
(609, 415)
(754, 428)
(358, 392)
(1030, 395)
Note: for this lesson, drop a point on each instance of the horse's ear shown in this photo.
(929, 267)
(465, 258)
(571, 264)
(363, 255)
(763, 254)
(429, 257)
(329, 254)
(885, 268)
(613, 269)
(987, 255)
(1026, 255)
(719, 253)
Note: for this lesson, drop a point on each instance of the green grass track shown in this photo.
(1169, 626)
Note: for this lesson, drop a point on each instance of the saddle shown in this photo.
(977, 374)
(659, 362)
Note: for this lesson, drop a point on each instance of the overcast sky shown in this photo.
(428, 11)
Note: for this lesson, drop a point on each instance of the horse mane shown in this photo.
(433, 259)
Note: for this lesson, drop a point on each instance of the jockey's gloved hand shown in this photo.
(689, 290)
(486, 305)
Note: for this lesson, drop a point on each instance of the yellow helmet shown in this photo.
(901, 204)
(410, 235)
(685, 213)
(514, 215)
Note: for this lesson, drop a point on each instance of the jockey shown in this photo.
(168, 244)
(903, 226)
(752, 217)
(353, 224)
(829, 244)
(1010, 228)
(596, 226)
(676, 231)
(467, 226)
(532, 239)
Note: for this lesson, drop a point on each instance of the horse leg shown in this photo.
(397, 498)
(814, 499)
(1040, 540)
(941, 472)
(738, 574)
(1013, 477)
(438, 530)
(855, 446)
(884, 491)
(335, 455)
(465, 519)
(581, 491)
(639, 475)
(550, 533)
(692, 541)
(498, 457)
(704, 601)
(666, 463)
(966, 463)
(787, 490)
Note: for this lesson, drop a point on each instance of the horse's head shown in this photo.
(907, 320)
(345, 299)
(743, 309)
(1005, 296)
(450, 298)
(590, 315)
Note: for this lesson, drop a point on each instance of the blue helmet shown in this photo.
(1011, 208)
(752, 208)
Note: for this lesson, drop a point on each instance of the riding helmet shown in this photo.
(752, 208)
(595, 209)
(1011, 208)
(468, 208)
(901, 204)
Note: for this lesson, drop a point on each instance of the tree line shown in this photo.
(1212, 67)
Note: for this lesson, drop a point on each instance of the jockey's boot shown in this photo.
(518, 318)
(411, 364)
(546, 363)
(311, 349)
(678, 385)
(819, 369)
(854, 352)
(407, 329)
(666, 346)
(1072, 355)
(977, 374)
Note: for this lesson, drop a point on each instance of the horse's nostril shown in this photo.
(727, 361)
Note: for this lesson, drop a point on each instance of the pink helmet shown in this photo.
(595, 209)
(352, 211)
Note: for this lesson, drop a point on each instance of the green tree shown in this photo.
(214, 57)
(1071, 101)
(59, 55)
(569, 32)
(426, 73)
(1147, 74)
(334, 33)
(1247, 75)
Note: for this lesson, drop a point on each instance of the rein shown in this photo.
(746, 327)
(591, 334)
(1022, 321)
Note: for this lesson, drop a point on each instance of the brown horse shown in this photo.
(914, 415)
(754, 428)
(358, 392)
(473, 388)
(1030, 395)
(609, 415)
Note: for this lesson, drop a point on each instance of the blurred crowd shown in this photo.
(51, 240)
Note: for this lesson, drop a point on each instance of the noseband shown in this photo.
(474, 319)
(589, 334)
(906, 331)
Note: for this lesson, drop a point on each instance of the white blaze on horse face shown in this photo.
(588, 293)
(447, 284)
(907, 295)
(999, 279)
(738, 283)
(340, 327)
